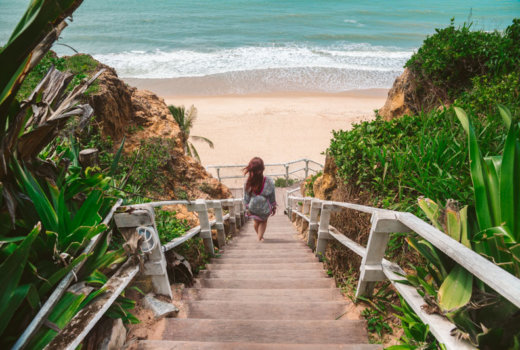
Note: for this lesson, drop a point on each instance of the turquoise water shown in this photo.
(261, 45)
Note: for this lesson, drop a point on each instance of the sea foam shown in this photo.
(333, 68)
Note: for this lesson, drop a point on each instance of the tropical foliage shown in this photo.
(51, 207)
(185, 119)
(473, 169)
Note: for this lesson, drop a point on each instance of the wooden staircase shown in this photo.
(270, 295)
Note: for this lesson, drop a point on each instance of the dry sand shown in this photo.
(276, 127)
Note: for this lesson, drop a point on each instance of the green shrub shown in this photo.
(446, 63)
(81, 66)
(168, 226)
(309, 183)
(283, 182)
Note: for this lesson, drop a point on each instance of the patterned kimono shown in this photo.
(261, 205)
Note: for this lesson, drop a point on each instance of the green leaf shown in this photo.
(11, 295)
(117, 156)
(510, 183)
(479, 173)
(456, 290)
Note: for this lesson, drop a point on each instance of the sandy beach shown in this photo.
(277, 127)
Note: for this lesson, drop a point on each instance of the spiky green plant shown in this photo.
(185, 119)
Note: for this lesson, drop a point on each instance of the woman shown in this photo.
(259, 195)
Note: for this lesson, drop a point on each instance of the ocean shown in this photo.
(255, 46)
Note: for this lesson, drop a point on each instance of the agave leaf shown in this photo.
(10, 273)
(455, 291)
(432, 211)
(464, 235)
(115, 162)
(58, 275)
(88, 214)
(478, 173)
(41, 203)
(62, 313)
(430, 253)
(510, 183)
(453, 224)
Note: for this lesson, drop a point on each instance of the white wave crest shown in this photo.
(191, 63)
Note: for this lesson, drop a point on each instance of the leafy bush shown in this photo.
(168, 226)
(446, 63)
(309, 183)
(283, 182)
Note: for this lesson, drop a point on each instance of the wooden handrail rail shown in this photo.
(375, 268)
(71, 336)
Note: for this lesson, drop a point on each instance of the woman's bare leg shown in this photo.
(256, 225)
(261, 230)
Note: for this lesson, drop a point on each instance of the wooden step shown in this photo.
(253, 253)
(266, 245)
(271, 331)
(261, 274)
(301, 283)
(264, 295)
(270, 260)
(194, 345)
(254, 310)
(267, 241)
(281, 266)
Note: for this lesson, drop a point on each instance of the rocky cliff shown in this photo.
(402, 97)
(121, 110)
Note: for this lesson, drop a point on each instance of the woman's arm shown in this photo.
(247, 197)
(272, 197)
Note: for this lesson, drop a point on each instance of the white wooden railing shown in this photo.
(129, 218)
(304, 168)
(316, 214)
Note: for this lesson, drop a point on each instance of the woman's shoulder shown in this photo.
(269, 180)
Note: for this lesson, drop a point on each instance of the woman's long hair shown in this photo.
(255, 180)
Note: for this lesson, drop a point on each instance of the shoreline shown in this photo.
(276, 126)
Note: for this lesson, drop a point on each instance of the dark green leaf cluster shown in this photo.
(168, 226)
(447, 61)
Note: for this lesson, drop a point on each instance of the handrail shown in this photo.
(71, 336)
(306, 168)
(375, 268)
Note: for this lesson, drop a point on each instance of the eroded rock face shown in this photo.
(325, 185)
(138, 115)
(401, 98)
(112, 103)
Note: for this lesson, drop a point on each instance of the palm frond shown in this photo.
(204, 139)
(194, 152)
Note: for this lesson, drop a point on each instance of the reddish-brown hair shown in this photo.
(255, 180)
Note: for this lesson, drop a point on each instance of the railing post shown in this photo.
(238, 215)
(218, 174)
(371, 266)
(313, 223)
(155, 266)
(293, 215)
(219, 225)
(205, 229)
(286, 173)
(230, 204)
(306, 168)
(323, 230)
(305, 211)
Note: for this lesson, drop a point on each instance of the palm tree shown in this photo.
(185, 119)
